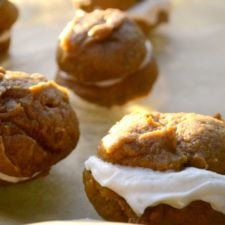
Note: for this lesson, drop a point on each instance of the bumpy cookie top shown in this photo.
(37, 125)
(100, 45)
(84, 29)
(165, 141)
(9, 14)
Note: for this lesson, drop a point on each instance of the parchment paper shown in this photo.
(190, 52)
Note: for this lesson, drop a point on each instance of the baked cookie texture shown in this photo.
(90, 5)
(37, 125)
(147, 13)
(105, 58)
(9, 14)
(161, 142)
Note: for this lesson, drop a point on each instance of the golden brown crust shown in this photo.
(107, 203)
(112, 207)
(101, 45)
(37, 124)
(136, 85)
(164, 141)
(88, 5)
(9, 14)
(4, 46)
(126, 5)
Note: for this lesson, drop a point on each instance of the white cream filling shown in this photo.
(142, 187)
(111, 82)
(107, 83)
(4, 36)
(104, 83)
(12, 179)
(150, 9)
(79, 222)
(148, 56)
(65, 75)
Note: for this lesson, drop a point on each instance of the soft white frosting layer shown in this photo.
(79, 222)
(12, 179)
(142, 187)
(4, 36)
(111, 82)
(148, 56)
(150, 9)
(108, 83)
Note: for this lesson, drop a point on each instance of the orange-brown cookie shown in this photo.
(9, 15)
(160, 169)
(147, 13)
(105, 58)
(37, 125)
(90, 5)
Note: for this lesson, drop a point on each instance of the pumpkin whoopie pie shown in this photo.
(160, 169)
(38, 127)
(105, 58)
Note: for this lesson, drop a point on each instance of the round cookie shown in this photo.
(38, 127)
(9, 15)
(160, 169)
(147, 13)
(102, 54)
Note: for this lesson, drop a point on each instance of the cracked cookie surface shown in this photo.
(37, 124)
